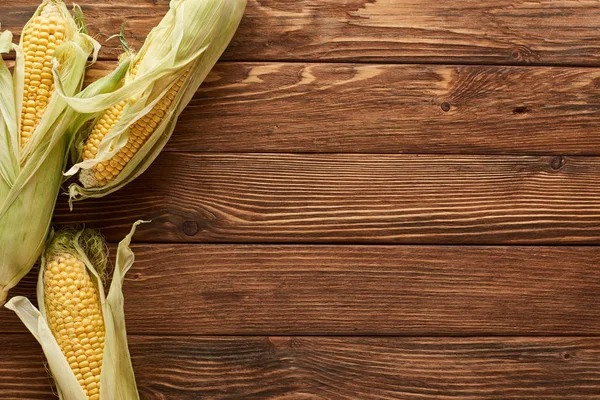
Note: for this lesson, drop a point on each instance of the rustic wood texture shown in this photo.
(295, 251)
(471, 31)
(357, 108)
(358, 290)
(336, 368)
(324, 198)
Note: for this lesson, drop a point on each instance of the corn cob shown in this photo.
(140, 132)
(40, 39)
(74, 316)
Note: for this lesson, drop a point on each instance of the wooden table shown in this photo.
(385, 199)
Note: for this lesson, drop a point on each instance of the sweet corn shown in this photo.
(131, 126)
(82, 331)
(140, 132)
(74, 316)
(40, 40)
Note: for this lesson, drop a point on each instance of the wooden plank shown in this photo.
(325, 198)
(336, 368)
(470, 31)
(358, 290)
(267, 107)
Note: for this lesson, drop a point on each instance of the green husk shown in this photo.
(191, 38)
(117, 381)
(30, 178)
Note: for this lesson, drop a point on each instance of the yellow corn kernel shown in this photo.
(66, 283)
(41, 38)
(139, 133)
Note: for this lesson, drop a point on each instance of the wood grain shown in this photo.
(410, 199)
(335, 368)
(471, 31)
(357, 290)
(271, 272)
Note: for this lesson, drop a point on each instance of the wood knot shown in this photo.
(523, 53)
(521, 110)
(445, 106)
(190, 228)
(557, 163)
(567, 356)
(280, 342)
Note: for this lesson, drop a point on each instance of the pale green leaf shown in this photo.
(118, 380)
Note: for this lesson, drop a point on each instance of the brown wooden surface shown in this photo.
(302, 368)
(379, 230)
(356, 198)
(358, 290)
(470, 31)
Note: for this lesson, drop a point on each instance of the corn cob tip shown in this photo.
(49, 10)
(87, 177)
